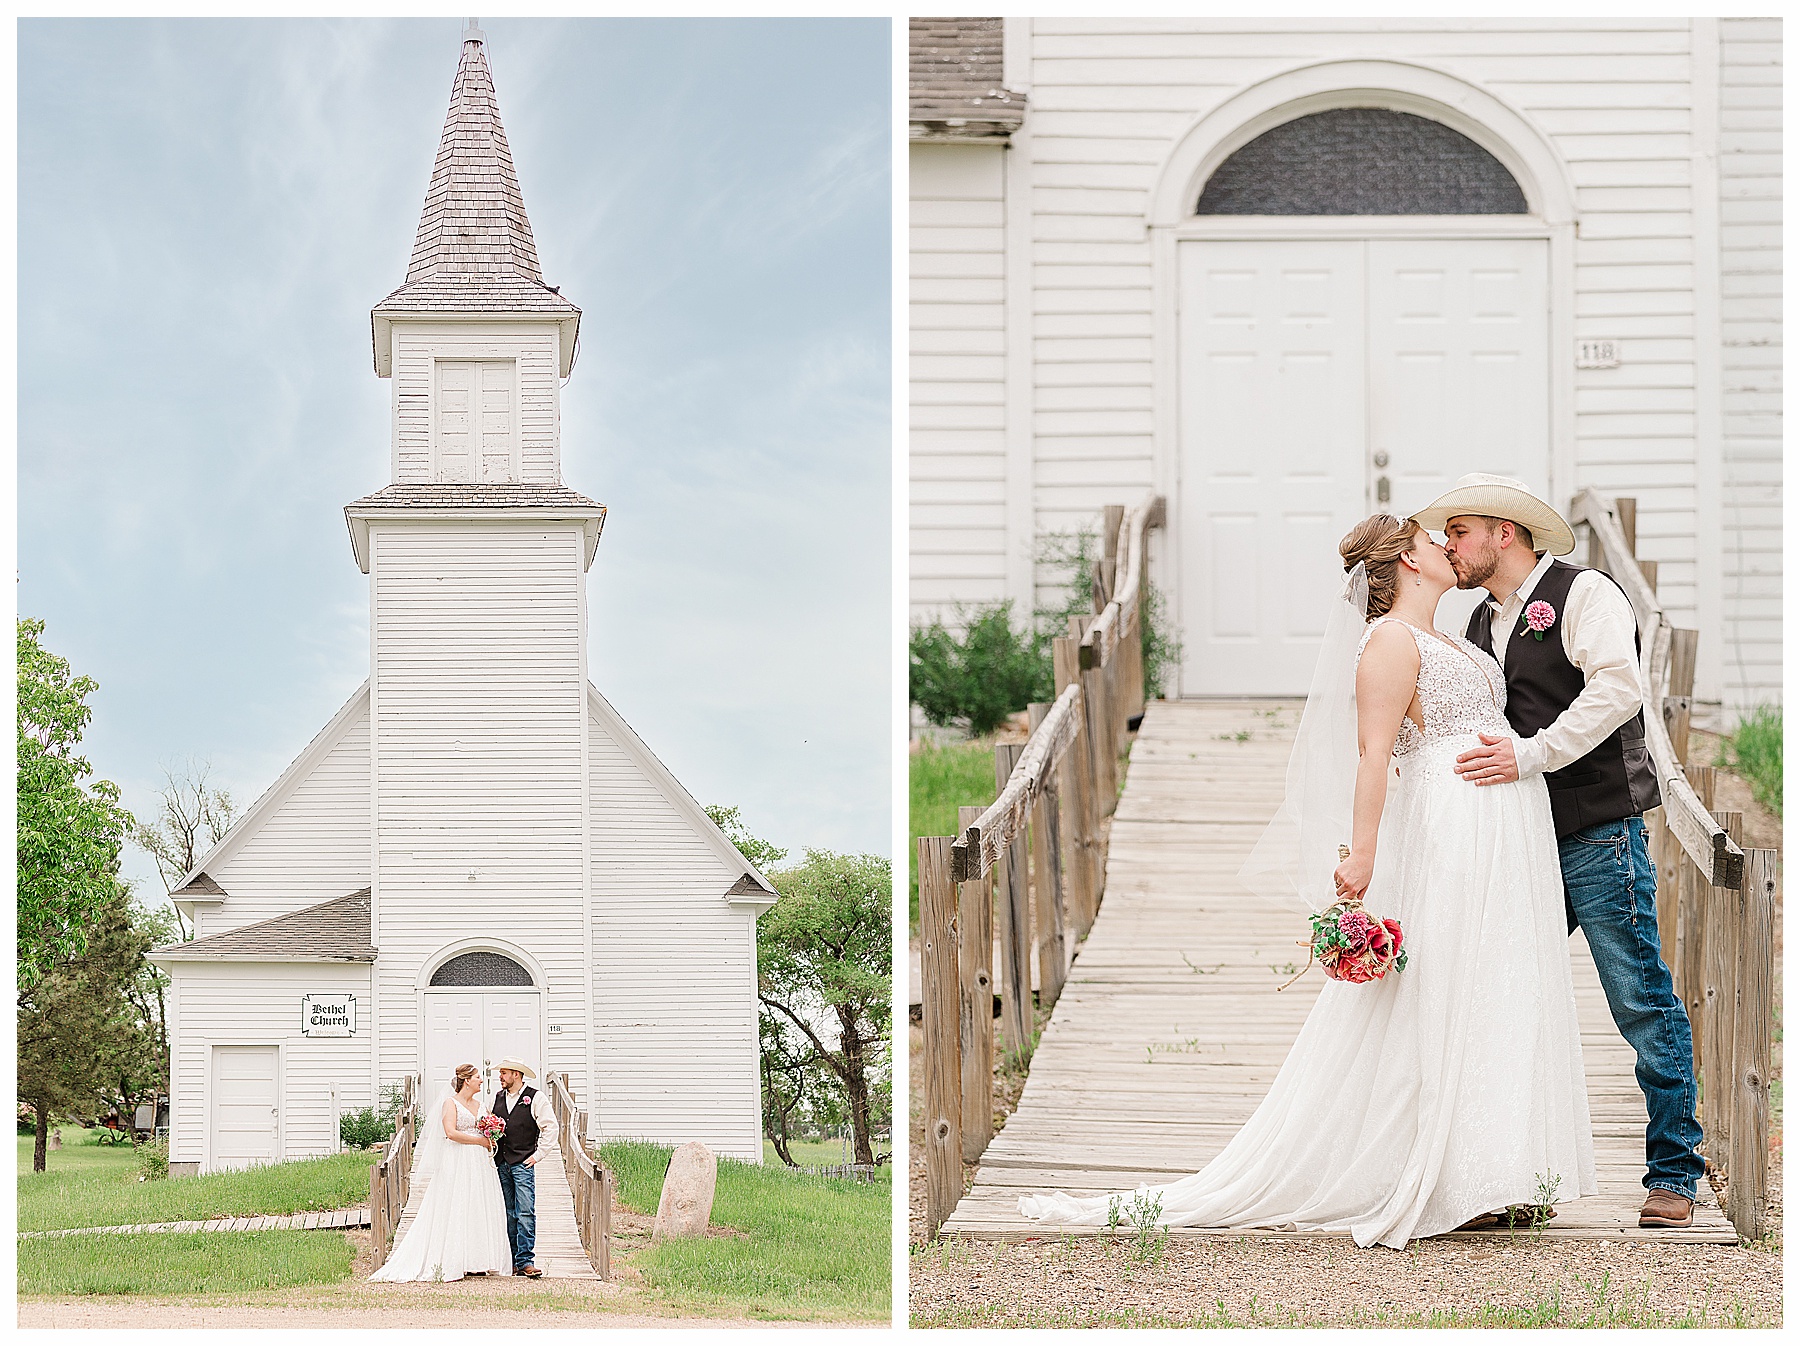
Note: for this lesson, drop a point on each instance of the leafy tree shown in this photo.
(194, 815)
(825, 956)
(789, 1076)
(763, 854)
(82, 1045)
(69, 833)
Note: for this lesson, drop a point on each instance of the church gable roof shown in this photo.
(474, 251)
(337, 931)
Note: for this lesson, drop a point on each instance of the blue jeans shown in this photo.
(518, 1185)
(1609, 886)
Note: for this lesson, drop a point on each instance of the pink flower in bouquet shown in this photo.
(1355, 926)
(1355, 970)
(1539, 617)
(490, 1126)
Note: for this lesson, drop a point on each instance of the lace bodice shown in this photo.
(1461, 689)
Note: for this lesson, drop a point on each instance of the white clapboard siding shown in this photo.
(307, 840)
(478, 688)
(958, 353)
(1108, 99)
(531, 346)
(674, 964)
(1750, 315)
(258, 1004)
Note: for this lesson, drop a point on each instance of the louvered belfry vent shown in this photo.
(1362, 161)
(481, 968)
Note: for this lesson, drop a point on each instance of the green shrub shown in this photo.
(988, 672)
(1753, 750)
(107, 1135)
(363, 1128)
(153, 1159)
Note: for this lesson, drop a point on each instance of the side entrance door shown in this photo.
(246, 1107)
(1322, 380)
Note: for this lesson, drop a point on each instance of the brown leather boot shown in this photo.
(1666, 1210)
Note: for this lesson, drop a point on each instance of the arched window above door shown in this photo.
(1361, 161)
(481, 968)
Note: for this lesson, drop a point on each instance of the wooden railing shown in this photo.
(1715, 903)
(390, 1177)
(590, 1181)
(1042, 833)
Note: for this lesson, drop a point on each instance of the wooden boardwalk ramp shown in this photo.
(1170, 1028)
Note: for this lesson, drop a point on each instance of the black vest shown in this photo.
(520, 1139)
(1616, 779)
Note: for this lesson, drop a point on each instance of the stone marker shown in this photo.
(56, 1139)
(687, 1195)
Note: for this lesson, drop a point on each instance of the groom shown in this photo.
(530, 1134)
(1567, 639)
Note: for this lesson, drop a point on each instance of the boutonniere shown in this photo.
(1539, 617)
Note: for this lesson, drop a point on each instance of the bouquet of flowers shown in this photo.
(490, 1126)
(1352, 945)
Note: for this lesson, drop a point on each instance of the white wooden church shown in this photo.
(476, 857)
(1286, 270)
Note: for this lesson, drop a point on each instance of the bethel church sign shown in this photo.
(328, 1016)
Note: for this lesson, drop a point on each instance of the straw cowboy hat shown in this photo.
(514, 1063)
(1500, 498)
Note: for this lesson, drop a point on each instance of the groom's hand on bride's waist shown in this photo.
(1494, 763)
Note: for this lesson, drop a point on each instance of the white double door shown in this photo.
(1324, 380)
(480, 1026)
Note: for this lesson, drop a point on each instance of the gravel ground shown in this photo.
(1496, 1282)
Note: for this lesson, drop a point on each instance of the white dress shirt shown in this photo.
(543, 1114)
(1599, 636)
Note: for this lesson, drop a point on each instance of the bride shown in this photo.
(1421, 1102)
(460, 1227)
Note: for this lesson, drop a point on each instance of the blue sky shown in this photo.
(207, 212)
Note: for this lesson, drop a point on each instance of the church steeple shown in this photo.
(474, 254)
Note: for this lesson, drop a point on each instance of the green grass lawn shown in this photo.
(811, 1246)
(810, 1152)
(171, 1264)
(939, 781)
(89, 1184)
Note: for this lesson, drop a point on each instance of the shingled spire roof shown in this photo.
(474, 252)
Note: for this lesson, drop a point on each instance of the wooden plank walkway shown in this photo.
(1170, 1029)
(559, 1254)
(357, 1218)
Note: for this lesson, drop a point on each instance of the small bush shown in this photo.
(988, 672)
(363, 1128)
(1753, 750)
(153, 1159)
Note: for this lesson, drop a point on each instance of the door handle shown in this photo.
(1382, 491)
(1381, 458)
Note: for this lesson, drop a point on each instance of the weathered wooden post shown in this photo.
(975, 1001)
(1099, 732)
(1012, 903)
(1678, 704)
(1746, 1196)
(938, 1011)
(1065, 655)
(1691, 925)
(1046, 882)
(1718, 999)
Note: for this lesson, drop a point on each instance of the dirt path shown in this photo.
(132, 1314)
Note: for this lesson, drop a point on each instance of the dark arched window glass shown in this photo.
(1361, 161)
(481, 969)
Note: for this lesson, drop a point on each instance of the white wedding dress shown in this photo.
(461, 1222)
(1410, 1105)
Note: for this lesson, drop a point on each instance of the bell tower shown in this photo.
(477, 556)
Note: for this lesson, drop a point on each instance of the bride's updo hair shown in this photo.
(464, 1073)
(1378, 542)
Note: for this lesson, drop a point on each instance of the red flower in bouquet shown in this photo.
(490, 1126)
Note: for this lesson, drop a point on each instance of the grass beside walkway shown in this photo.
(806, 1247)
(87, 1184)
(939, 781)
(170, 1264)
